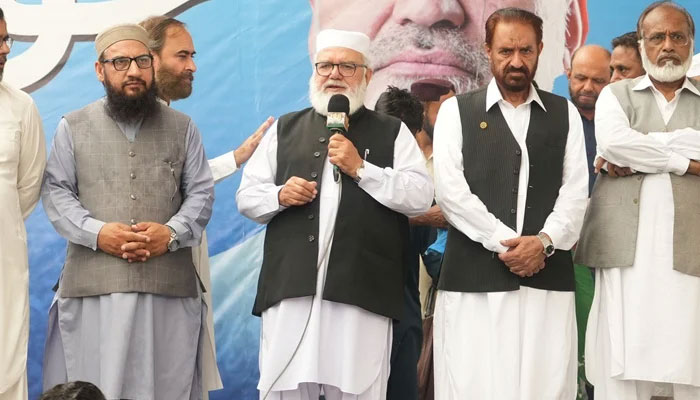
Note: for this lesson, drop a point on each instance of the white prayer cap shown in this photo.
(329, 38)
(695, 67)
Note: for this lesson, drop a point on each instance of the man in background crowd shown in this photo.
(626, 61)
(173, 60)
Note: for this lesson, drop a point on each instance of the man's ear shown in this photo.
(369, 74)
(100, 71)
(577, 28)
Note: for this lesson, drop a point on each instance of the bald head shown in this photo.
(589, 74)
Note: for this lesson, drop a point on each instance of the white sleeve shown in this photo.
(406, 188)
(621, 145)
(257, 197)
(563, 225)
(462, 209)
(223, 166)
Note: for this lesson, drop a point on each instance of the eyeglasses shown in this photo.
(124, 63)
(678, 38)
(8, 41)
(345, 69)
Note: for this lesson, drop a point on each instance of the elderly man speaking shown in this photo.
(332, 274)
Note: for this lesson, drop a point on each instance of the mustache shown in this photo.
(333, 82)
(133, 80)
(522, 69)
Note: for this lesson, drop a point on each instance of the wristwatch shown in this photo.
(358, 173)
(546, 243)
(172, 243)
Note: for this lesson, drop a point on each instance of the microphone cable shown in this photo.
(323, 286)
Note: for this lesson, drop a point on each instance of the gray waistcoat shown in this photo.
(120, 181)
(609, 235)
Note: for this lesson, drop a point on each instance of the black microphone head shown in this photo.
(339, 104)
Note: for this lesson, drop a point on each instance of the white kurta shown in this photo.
(22, 162)
(344, 346)
(644, 324)
(506, 345)
(221, 167)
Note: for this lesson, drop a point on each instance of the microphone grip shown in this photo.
(336, 169)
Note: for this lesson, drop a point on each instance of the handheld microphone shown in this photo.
(338, 121)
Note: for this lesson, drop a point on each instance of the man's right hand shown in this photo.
(297, 192)
(613, 170)
(120, 241)
(693, 168)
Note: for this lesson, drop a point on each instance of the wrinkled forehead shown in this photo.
(665, 18)
(338, 55)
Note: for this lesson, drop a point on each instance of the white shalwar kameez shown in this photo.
(517, 345)
(643, 335)
(22, 161)
(345, 350)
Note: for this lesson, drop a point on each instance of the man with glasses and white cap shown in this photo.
(128, 185)
(22, 161)
(332, 274)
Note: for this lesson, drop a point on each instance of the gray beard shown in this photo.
(319, 99)
(669, 72)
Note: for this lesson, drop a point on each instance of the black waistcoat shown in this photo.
(366, 264)
(492, 167)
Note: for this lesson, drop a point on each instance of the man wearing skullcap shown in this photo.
(128, 185)
(333, 267)
(22, 161)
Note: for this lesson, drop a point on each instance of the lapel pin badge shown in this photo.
(483, 125)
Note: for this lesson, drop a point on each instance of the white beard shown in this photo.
(319, 98)
(669, 72)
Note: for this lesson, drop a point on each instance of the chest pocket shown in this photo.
(9, 143)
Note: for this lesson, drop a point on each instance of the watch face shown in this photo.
(549, 250)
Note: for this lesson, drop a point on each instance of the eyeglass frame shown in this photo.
(9, 41)
(131, 59)
(333, 65)
(648, 39)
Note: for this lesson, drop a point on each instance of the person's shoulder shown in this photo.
(17, 97)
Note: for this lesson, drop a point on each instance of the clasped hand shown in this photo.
(525, 256)
(134, 243)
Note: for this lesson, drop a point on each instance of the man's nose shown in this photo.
(429, 13)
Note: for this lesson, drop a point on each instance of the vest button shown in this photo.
(132, 196)
(317, 154)
(132, 221)
(132, 175)
(311, 216)
(516, 171)
(311, 238)
(322, 139)
(635, 201)
(512, 211)
(314, 175)
(639, 178)
(515, 190)
(132, 154)
(518, 152)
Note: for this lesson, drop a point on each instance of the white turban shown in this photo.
(329, 38)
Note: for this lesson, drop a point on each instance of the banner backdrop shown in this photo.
(253, 61)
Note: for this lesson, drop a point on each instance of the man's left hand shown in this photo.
(342, 152)
(525, 256)
(159, 235)
(247, 148)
